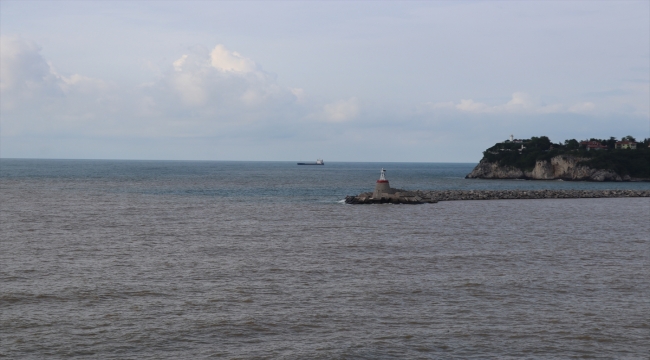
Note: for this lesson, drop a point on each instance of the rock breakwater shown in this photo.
(396, 196)
(433, 196)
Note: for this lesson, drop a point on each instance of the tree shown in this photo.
(611, 143)
(571, 144)
(628, 138)
(541, 143)
(600, 141)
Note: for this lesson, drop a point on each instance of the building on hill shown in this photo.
(516, 141)
(592, 145)
(625, 145)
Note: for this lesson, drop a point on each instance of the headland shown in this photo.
(538, 158)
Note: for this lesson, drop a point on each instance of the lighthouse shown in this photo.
(382, 187)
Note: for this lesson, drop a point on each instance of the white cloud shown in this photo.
(342, 110)
(298, 93)
(519, 103)
(24, 74)
(470, 105)
(222, 80)
(178, 64)
(225, 60)
(29, 83)
(220, 94)
(190, 87)
(198, 94)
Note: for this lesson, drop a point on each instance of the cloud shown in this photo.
(178, 64)
(225, 60)
(221, 80)
(24, 73)
(298, 93)
(342, 110)
(226, 99)
(190, 87)
(519, 103)
(470, 105)
(199, 93)
(35, 98)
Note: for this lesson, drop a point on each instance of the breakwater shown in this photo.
(433, 196)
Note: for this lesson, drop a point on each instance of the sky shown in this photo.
(425, 81)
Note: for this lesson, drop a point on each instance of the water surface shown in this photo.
(110, 259)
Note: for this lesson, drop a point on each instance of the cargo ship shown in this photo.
(318, 162)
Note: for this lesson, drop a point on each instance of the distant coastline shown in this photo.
(538, 158)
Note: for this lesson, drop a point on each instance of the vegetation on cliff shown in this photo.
(523, 154)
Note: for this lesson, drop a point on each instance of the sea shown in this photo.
(108, 259)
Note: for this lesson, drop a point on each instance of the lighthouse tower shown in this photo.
(382, 187)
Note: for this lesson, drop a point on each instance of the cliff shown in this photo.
(565, 167)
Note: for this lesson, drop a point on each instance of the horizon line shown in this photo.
(194, 160)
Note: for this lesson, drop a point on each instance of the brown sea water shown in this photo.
(165, 261)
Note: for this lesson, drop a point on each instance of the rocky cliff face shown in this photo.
(563, 167)
(488, 170)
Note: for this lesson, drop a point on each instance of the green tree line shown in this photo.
(633, 162)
